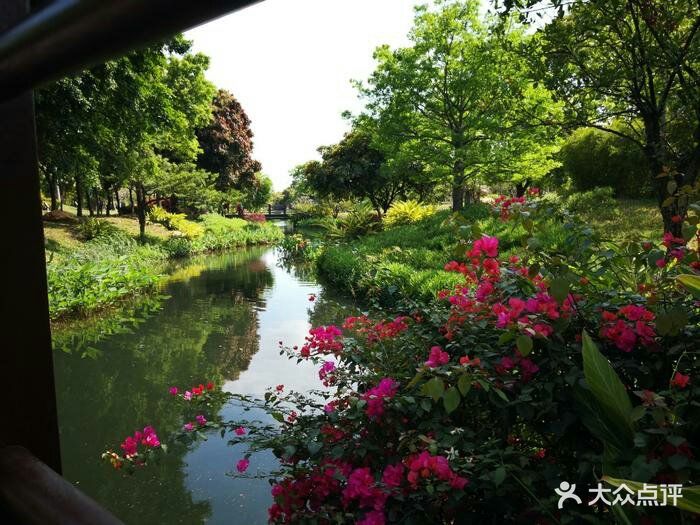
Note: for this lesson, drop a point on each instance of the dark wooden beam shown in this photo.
(26, 358)
(69, 35)
(33, 494)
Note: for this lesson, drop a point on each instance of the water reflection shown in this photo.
(220, 318)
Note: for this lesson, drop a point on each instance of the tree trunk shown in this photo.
(79, 195)
(109, 201)
(51, 179)
(131, 200)
(116, 198)
(458, 185)
(141, 203)
(521, 188)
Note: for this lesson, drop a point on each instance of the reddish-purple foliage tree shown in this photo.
(227, 144)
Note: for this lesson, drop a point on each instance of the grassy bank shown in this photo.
(84, 275)
(408, 260)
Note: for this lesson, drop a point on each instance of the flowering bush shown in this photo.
(577, 365)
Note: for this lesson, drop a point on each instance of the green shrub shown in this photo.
(91, 228)
(178, 247)
(101, 272)
(407, 212)
(592, 158)
(598, 202)
(361, 220)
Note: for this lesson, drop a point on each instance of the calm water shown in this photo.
(220, 319)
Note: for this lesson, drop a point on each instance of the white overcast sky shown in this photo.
(290, 62)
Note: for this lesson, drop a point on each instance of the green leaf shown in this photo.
(524, 344)
(278, 416)
(505, 337)
(314, 447)
(606, 386)
(671, 187)
(451, 399)
(559, 289)
(464, 383)
(499, 475)
(501, 394)
(434, 388)
(691, 283)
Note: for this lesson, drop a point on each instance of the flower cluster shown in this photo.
(326, 373)
(526, 367)
(424, 466)
(437, 357)
(199, 422)
(375, 397)
(323, 340)
(376, 331)
(133, 448)
(504, 204)
(630, 326)
(193, 392)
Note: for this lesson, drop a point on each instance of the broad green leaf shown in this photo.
(671, 187)
(451, 399)
(464, 383)
(559, 289)
(601, 426)
(691, 283)
(606, 386)
(499, 475)
(524, 344)
(434, 388)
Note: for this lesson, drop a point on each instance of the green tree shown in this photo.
(635, 61)
(458, 90)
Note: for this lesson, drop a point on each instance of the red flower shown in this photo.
(680, 381)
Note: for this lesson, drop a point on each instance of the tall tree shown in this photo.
(636, 62)
(457, 90)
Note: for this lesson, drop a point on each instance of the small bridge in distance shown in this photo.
(277, 212)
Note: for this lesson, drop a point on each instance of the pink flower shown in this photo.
(486, 245)
(279, 388)
(240, 431)
(129, 446)
(326, 369)
(242, 465)
(188, 427)
(386, 389)
(393, 475)
(375, 517)
(437, 357)
(661, 262)
(173, 390)
(187, 395)
(201, 420)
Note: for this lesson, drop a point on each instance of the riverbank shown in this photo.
(408, 261)
(95, 263)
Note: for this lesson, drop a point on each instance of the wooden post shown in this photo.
(26, 357)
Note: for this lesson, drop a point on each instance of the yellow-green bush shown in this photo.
(407, 212)
(176, 221)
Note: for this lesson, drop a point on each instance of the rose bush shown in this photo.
(575, 365)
